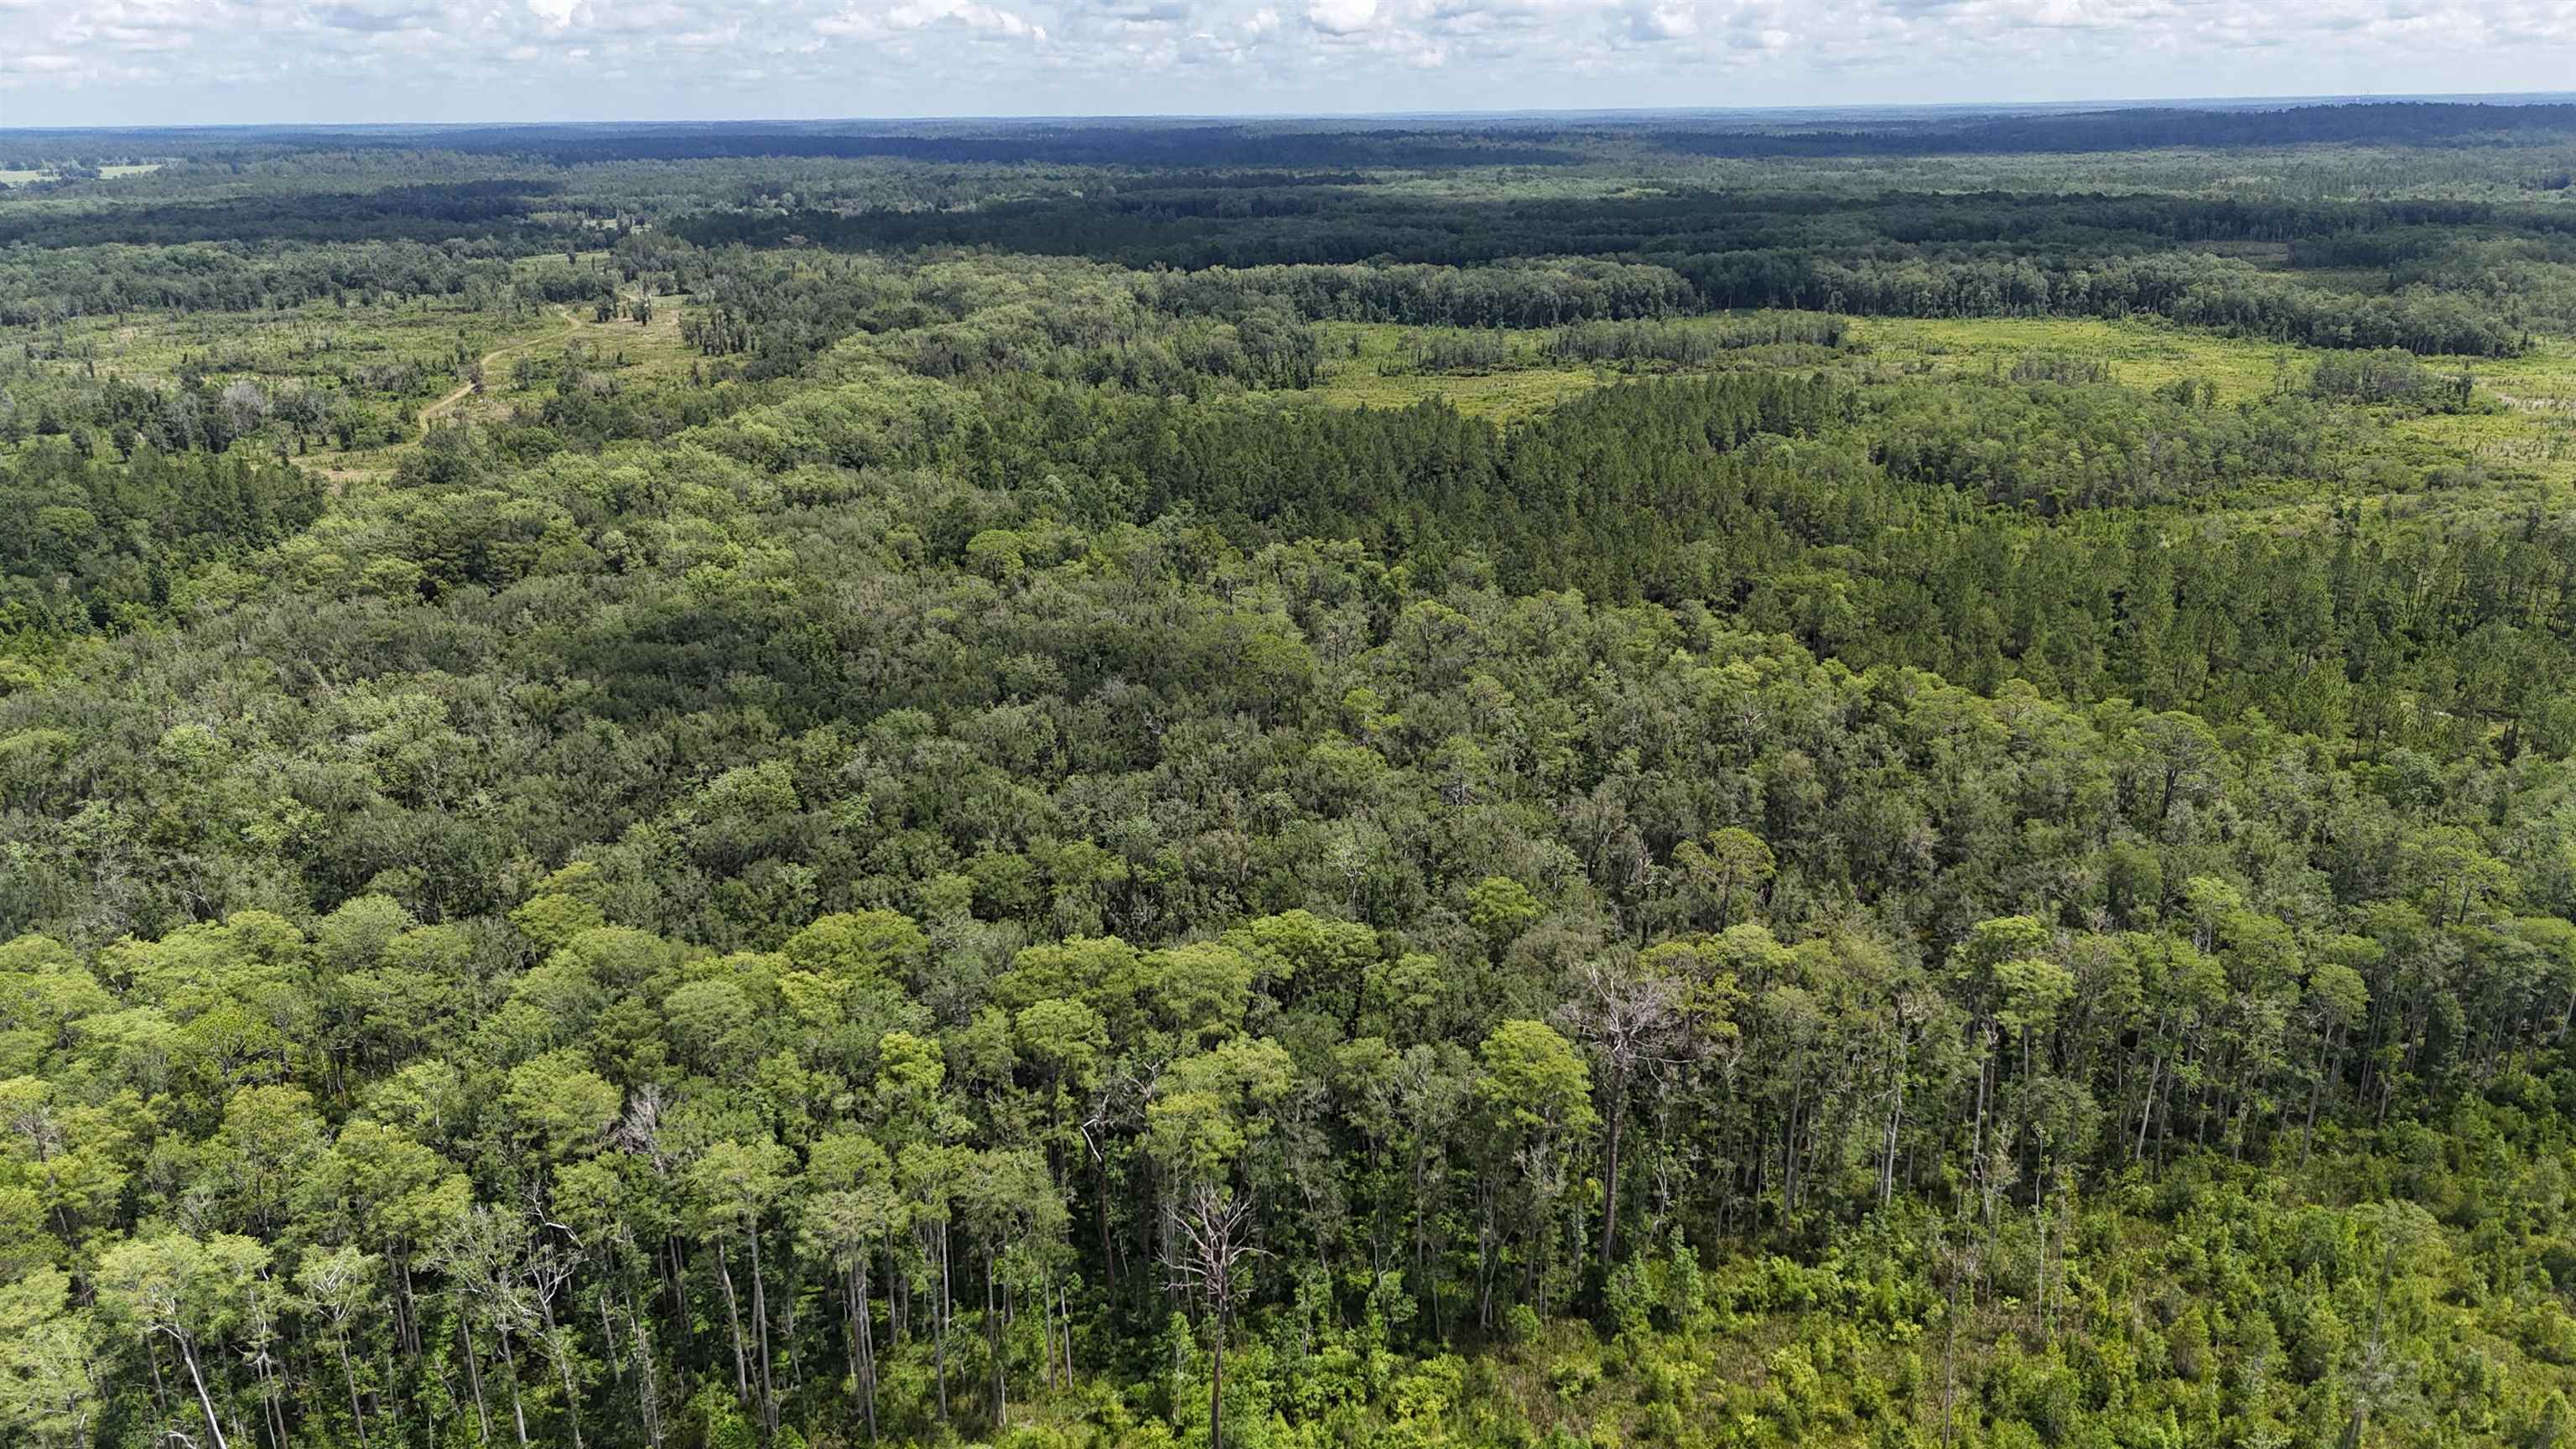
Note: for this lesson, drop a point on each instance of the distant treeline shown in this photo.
(1343, 254)
(1534, 139)
(1074, 145)
(44, 286)
(1195, 226)
(423, 212)
(2192, 288)
(2414, 123)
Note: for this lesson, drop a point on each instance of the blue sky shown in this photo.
(93, 62)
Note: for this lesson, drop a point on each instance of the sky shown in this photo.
(161, 62)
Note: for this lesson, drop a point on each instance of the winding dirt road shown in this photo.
(430, 411)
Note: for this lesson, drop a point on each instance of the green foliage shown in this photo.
(958, 850)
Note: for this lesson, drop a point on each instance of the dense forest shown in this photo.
(1863, 782)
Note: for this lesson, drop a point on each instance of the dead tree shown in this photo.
(1216, 1232)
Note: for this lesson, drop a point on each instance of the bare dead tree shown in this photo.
(1633, 1024)
(1120, 1096)
(639, 1128)
(553, 1256)
(1216, 1230)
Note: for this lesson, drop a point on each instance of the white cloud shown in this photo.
(1341, 17)
(168, 60)
(963, 14)
(1662, 21)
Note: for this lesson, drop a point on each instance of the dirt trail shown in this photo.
(430, 411)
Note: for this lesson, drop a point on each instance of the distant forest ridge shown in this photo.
(1527, 139)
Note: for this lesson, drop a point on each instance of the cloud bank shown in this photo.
(162, 61)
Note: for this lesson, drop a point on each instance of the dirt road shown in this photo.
(430, 411)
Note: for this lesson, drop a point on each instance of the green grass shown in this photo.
(106, 173)
(1351, 377)
(631, 352)
(2527, 446)
(308, 345)
(2522, 453)
(304, 343)
(2141, 354)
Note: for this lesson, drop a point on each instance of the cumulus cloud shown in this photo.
(1151, 12)
(219, 60)
(1670, 21)
(1342, 17)
(374, 17)
(962, 15)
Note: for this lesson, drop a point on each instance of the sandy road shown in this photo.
(430, 411)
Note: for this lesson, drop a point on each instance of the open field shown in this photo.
(2144, 353)
(1351, 376)
(2517, 450)
(106, 173)
(397, 364)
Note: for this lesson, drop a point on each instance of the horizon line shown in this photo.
(2499, 99)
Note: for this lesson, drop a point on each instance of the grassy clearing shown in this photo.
(1354, 353)
(633, 353)
(2520, 454)
(315, 345)
(2141, 354)
(2526, 448)
(106, 173)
